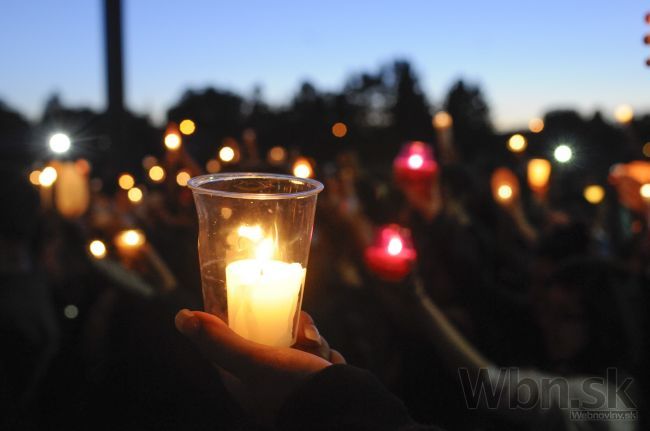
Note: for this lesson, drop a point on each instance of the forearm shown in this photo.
(455, 349)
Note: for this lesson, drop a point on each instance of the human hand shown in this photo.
(259, 377)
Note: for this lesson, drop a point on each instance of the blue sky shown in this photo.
(528, 56)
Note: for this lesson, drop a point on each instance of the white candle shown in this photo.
(263, 295)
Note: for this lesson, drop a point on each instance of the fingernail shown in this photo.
(187, 323)
(311, 333)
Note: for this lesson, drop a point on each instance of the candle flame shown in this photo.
(394, 246)
(254, 233)
(505, 192)
(415, 161)
(264, 250)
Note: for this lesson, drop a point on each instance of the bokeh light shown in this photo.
(563, 153)
(226, 154)
(213, 166)
(644, 191)
(339, 130)
(33, 177)
(442, 120)
(182, 178)
(504, 192)
(97, 248)
(415, 161)
(646, 149)
(135, 194)
(187, 127)
(517, 143)
(60, 143)
(48, 176)
(156, 173)
(148, 162)
(302, 168)
(71, 311)
(594, 194)
(126, 181)
(172, 141)
(395, 246)
(536, 125)
(624, 114)
(130, 238)
(277, 155)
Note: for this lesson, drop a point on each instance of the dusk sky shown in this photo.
(528, 56)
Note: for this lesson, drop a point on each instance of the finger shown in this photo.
(336, 357)
(220, 344)
(322, 350)
(308, 334)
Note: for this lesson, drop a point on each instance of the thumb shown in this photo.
(221, 344)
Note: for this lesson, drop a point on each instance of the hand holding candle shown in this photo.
(254, 237)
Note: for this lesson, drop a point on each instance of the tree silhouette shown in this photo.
(410, 112)
(473, 133)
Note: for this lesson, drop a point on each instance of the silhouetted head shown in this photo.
(580, 314)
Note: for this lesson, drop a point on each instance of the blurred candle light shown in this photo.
(33, 177)
(182, 178)
(302, 168)
(442, 120)
(624, 114)
(135, 195)
(415, 162)
(129, 241)
(47, 177)
(594, 194)
(630, 179)
(646, 149)
(226, 154)
(563, 153)
(71, 191)
(536, 125)
(505, 185)
(644, 191)
(148, 162)
(277, 155)
(59, 143)
(539, 172)
(156, 174)
(517, 143)
(97, 249)
(126, 181)
(172, 138)
(339, 130)
(187, 127)
(391, 256)
(213, 166)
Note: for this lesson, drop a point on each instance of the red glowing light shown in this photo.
(415, 161)
(394, 246)
(391, 257)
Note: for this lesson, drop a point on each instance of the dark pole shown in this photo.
(115, 81)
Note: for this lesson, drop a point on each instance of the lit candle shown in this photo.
(129, 241)
(263, 293)
(415, 162)
(539, 172)
(391, 257)
(505, 186)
